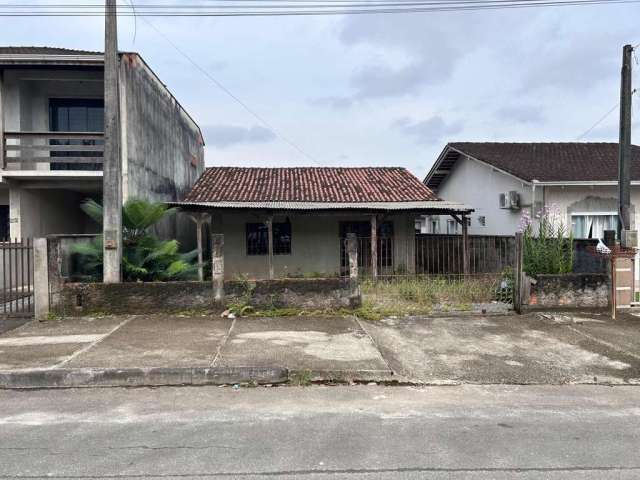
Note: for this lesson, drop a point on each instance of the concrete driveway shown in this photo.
(527, 349)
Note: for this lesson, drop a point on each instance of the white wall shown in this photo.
(478, 185)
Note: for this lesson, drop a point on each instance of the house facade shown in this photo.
(52, 127)
(503, 181)
(293, 222)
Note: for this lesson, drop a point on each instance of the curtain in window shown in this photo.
(593, 226)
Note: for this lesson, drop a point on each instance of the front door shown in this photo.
(363, 235)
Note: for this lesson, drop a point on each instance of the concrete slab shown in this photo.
(622, 334)
(158, 341)
(502, 349)
(7, 324)
(39, 345)
(302, 343)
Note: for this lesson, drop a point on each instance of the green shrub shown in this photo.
(547, 249)
(144, 257)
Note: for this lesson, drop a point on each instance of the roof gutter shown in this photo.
(582, 183)
(26, 59)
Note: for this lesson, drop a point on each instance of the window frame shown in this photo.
(572, 216)
(261, 230)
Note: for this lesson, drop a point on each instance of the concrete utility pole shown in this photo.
(624, 156)
(112, 168)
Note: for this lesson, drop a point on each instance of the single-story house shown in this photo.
(504, 180)
(290, 222)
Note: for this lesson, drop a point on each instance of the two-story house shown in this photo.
(51, 131)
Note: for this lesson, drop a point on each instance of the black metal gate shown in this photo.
(17, 278)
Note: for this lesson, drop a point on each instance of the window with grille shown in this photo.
(257, 237)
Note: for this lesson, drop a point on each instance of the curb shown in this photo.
(344, 375)
(140, 377)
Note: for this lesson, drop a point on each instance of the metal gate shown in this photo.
(17, 278)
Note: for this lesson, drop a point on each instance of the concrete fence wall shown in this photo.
(75, 299)
(570, 290)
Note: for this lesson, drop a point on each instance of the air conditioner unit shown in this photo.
(514, 200)
(510, 200)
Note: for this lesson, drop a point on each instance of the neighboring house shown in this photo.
(51, 126)
(503, 180)
(307, 213)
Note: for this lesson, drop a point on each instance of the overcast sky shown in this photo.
(378, 89)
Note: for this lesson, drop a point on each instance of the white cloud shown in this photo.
(223, 136)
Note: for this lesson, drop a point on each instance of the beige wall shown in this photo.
(39, 212)
(589, 199)
(315, 244)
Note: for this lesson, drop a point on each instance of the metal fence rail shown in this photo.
(443, 254)
(17, 278)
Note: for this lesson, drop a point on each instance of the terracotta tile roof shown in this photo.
(16, 50)
(553, 162)
(329, 185)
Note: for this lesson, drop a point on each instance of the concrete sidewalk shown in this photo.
(177, 350)
(197, 350)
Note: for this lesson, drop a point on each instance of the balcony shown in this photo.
(62, 151)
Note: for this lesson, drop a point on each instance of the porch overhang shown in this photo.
(421, 207)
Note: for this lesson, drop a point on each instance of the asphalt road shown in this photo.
(364, 432)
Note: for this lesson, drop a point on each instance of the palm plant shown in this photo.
(144, 256)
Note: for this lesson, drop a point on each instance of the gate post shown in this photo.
(40, 279)
(352, 252)
(217, 267)
(517, 274)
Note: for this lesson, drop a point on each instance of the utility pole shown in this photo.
(112, 168)
(624, 155)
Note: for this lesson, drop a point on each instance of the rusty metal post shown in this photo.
(217, 266)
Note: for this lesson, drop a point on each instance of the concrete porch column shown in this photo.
(16, 211)
(269, 224)
(374, 247)
(200, 220)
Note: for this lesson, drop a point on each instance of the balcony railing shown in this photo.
(61, 150)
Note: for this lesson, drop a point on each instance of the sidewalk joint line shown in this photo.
(90, 346)
(223, 343)
(603, 342)
(375, 345)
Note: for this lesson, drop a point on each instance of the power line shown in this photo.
(602, 119)
(239, 10)
(218, 84)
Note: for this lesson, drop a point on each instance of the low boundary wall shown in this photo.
(571, 290)
(76, 299)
